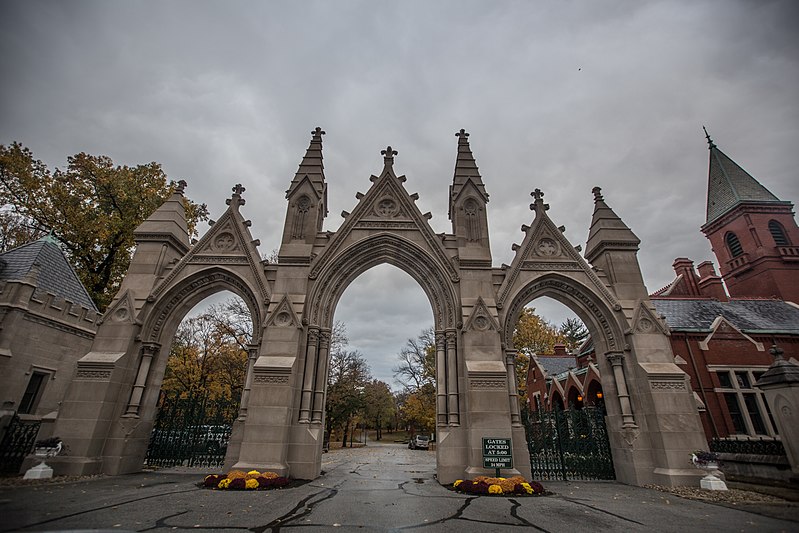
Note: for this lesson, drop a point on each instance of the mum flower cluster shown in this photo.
(516, 485)
(240, 480)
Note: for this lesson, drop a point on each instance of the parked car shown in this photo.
(420, 442)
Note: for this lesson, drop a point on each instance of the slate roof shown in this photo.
(729, 185)
(55, 274)
(556, 365)
(752, 316)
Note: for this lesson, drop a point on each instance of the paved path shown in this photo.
(377, 488)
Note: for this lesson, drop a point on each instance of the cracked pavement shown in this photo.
(383, 487)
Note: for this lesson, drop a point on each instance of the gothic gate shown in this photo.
(568, 445)
(109, 412)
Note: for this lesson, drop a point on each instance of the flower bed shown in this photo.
(239, 480)
(517, 486)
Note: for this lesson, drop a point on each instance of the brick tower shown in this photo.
(752, 232)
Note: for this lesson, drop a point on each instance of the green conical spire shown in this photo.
(729, 184)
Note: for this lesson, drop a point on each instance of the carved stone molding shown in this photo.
(274, 380)
(481, 383)
(374, 250)
(578, 293)
(178, 297)
(667, 385)
(93, 375)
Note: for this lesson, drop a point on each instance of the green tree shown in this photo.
(92, 207)
(378, 406)
(206, 358)
(574, 331)
(533, 335)
(417, 373)
(348, 376)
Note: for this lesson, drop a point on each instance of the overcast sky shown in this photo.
(558, 95)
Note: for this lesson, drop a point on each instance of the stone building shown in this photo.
(47, 322)
(108, 412)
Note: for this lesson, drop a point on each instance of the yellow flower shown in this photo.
(527, 488)
(251, 484)
(224, 483)
(495, 489)
(458, 482)
(253, 473)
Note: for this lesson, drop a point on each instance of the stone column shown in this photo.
(616, 360)
(452, 377)
(780, 385)
(321, 376)
(252, 355)
(441, 379)
(148, 351)
(513, 391)
(308, 375)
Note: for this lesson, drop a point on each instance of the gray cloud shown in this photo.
(561, 96)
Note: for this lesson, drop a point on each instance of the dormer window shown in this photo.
(778, 233)
(733, 244)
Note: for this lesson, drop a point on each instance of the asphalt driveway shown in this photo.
(377, 488)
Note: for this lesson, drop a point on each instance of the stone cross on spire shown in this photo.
(462, 134)
(181, 186)
(597, 194)
(236, 200)
(317, 133)
(388, 155)
(538, 195)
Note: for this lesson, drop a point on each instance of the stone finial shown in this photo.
(538, 195)
(710, 143)
(317, 133)
(777, 352)
(462, 134)
(597, 194)
(181, 186)
(388, 155)
(236, 199)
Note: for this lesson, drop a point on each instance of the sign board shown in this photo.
(497, 453)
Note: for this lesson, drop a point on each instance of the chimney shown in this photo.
(710, 283)
(685, 267)
(560, 349)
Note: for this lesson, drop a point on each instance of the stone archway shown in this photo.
(653, 421)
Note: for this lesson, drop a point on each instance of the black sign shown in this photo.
(497, 453)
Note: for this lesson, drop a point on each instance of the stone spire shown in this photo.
(730, 185)
(312, 168)
(168, 221)
(607, 231)
(465, 170)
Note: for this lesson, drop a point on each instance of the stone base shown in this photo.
(711, 482)
(40, 471)
(277, 468)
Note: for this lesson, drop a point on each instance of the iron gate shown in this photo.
(567, 445)
(191, 431)
(17, 443)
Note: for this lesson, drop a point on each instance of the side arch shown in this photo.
(589, 306)
(161, 316)
(374, 250)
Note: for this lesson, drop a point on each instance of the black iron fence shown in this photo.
(754, 447)
(566, 445)
(191, 431)
(18, 441)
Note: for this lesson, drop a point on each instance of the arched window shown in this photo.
(470, 208)
(778, 233)
(733, 244)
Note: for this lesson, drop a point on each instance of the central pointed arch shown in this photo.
(374, 250)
